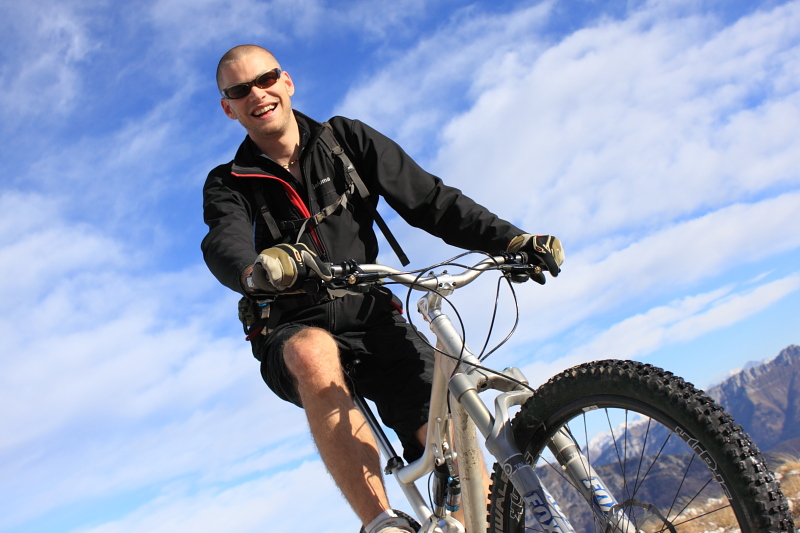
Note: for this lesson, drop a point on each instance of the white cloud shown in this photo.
(677, 322)
(274, 503)
(599, 280)
(284, 21)
(43, 45)
(132, 181)
(220, 20)
(378, 19)
(684, 320)
(411, 97)
(631, 124)
(118, 379)
(29, 246)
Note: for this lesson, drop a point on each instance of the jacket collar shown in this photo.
(249, 155)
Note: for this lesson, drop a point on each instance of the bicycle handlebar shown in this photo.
(352, 276)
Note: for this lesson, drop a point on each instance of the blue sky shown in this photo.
(659, 139)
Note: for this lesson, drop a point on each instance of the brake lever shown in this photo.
(519, 270)
(353, 279)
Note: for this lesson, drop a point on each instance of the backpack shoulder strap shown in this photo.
(269, 220)
(329, 139)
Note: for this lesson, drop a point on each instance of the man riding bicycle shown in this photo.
(284, 207)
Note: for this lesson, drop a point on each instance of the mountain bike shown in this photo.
(606, 446)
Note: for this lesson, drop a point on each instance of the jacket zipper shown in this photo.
(321, 248)
(331, 316)
(316, 239)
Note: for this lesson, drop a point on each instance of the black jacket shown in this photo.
(237, 230)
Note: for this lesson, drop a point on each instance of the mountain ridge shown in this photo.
(765, 401)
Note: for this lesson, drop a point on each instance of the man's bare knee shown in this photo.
(312, 353)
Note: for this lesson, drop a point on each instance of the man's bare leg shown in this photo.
(343, 439)
(340, 432)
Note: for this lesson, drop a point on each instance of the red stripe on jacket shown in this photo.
(293, 197)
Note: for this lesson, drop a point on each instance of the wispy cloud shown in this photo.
(118, 377)
(613, 276)
(631, 124)
(49, 43)
(413, 96)
(683, 321)
(281, 22)
(248, 507)
(677, 322)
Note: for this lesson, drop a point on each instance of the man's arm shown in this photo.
(421, 198)
(228, 247)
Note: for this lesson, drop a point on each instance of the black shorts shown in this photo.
(382, 353)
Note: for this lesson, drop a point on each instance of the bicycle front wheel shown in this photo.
(671, 458)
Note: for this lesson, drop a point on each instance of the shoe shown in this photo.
(390, 522)
(393, 529)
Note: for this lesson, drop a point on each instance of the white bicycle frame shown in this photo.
(458, 376)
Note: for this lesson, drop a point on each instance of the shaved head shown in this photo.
(237, 52)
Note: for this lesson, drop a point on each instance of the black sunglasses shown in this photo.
(262, 81)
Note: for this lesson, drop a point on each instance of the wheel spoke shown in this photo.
(683, 480)
(693, 498)
(703, 515)
(641, 455)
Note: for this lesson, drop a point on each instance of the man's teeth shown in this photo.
(263, 110)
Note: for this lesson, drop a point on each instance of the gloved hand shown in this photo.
(545, 249)
(285, 267)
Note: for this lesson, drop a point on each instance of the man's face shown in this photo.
(264, 113)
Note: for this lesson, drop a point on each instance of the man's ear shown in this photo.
(227, 108)
(289, 83)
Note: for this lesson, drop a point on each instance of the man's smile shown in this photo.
(263, 110)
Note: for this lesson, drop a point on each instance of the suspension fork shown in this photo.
(464, 385)
(500, 443)
(605, 507)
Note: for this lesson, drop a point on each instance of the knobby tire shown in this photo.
(662, 434)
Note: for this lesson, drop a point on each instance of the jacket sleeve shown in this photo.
(228, 247)
(422, 199)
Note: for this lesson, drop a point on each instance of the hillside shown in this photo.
(765, 400)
